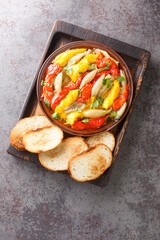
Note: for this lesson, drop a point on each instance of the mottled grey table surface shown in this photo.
(36, 204)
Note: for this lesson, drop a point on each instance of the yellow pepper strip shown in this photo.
(64, 57)
(63, 116)
(72, 117)
(81, 67)
(67, 101)
(113, 94)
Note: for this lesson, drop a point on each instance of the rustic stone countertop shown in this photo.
(36, 204)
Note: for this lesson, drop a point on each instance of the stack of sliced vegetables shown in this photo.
(85, 88)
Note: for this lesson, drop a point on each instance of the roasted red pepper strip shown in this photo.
(92, 124)
(98, 75)
(58, 97)
(106, 72)
(52, 70)
(115, 72)
(85, 92)
(121, 100)
(113, 64)
(87, 89)
(102, 62)
(47, 92)
(99, 60)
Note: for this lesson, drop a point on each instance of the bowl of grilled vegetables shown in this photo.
(85, 88)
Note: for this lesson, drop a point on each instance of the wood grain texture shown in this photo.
(62, 33)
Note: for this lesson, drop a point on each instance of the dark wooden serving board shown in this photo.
(63, 33)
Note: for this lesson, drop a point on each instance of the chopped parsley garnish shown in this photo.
(72, 61)
(100, 100)
(105, 68)
(109, 83)
(47, 103)
(108, 64)
(43, 83)
(104, 113)
(120, 79)
(91, 65)
(96, 102)
(55, 116)
(86, 120)
(69, 70)
(79, 93)
(79, 110)
(104, 81)
(111, 115)
(50, 93)
(80, 73)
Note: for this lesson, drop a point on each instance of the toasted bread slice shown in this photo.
(42, 139)
(90, 164)
(25, 125)
(106, 138)
(57, 159)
